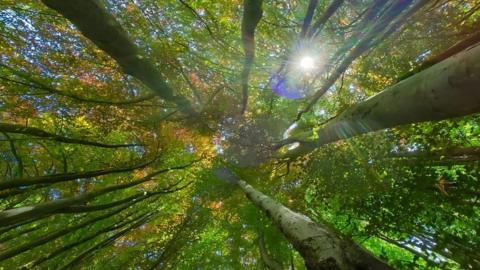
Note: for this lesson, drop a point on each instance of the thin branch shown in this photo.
(14, 128)
(17, 157)
(57, 178)
(361, 47)
(39, 85)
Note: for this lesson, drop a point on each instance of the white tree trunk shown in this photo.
(320, 247)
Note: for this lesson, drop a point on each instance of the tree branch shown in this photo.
(56, 178)
(320, 23)
(252, 14)
(14, 128)
(308, 17)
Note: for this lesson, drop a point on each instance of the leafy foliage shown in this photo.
(409, 194)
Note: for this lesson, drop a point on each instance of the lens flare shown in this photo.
(307, 63)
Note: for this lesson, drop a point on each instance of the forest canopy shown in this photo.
(239, 134)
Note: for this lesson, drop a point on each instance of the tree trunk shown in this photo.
(320, 23)
(95, 23)
(252, 14)
(446, 90)
(320, 247)
(360, 48)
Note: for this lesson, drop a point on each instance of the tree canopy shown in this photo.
(254, 134)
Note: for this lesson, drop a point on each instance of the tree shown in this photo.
(358, 118)
(319, 245)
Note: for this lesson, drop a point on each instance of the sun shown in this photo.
(307, 63)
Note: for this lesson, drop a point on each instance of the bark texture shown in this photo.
(446, 90)
(320, 247)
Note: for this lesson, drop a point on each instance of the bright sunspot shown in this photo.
(307, 63)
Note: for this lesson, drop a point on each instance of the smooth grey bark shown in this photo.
(320, 247)
(14, 128)
(95, 23)
(446, 90)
